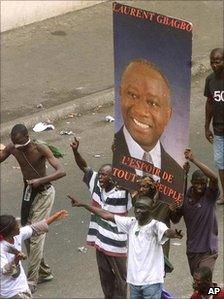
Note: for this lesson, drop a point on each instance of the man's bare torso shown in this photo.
(35, 158)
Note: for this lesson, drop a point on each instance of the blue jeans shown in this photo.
(219, 151)
(149, 291)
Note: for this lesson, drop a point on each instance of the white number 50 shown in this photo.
(219, 95)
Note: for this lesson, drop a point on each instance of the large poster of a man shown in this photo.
(152, 91)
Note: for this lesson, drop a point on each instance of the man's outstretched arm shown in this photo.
(78, 158)
(97, 211)
(213, 179)
(5, 152)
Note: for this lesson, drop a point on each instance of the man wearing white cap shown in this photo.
(145, 239)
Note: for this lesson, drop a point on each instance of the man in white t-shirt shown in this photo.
(145, 255)
(13, 279)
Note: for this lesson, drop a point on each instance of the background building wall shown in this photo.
(18, 13)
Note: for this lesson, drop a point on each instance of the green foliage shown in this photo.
(56, 152)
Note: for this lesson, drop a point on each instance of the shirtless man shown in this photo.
(38, 195)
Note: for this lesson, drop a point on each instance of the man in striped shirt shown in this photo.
(110, 244)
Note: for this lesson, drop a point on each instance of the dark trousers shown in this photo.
(113, 274)
(198, 260)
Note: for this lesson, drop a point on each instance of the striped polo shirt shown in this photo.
(104, 234)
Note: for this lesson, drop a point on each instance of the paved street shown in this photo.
(76, 273)
(64, 58)
(60, 60)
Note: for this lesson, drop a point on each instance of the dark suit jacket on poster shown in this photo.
(167, 162)
(160, 210)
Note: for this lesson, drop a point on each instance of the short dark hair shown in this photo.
(145, 201)
(198, 174)
(104, 165)
(205, 273)
(151, 187)
(19, 128)
(148, 64)
(7, 224)
(217, 50)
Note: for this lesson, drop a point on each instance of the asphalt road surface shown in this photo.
(39, 66)
(76, 274)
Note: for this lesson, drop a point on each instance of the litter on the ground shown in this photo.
(109, 118)
(67, 133)
(15, 167)
(71, 115)
(2, 146)
(97, 156)
(40, 106)
(97, 108)
(82, 249)
(39, 127)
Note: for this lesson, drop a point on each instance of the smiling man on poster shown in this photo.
(146, 110)
(152, 71)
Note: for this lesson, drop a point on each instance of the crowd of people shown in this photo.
(130, 251)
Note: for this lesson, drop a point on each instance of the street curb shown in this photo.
(82, 105)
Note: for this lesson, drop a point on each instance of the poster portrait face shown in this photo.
(145, 103)
(152, 58)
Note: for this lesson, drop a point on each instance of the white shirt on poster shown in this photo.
(145, 253)
(136, 151)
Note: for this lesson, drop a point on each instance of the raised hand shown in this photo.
(62, 214)
(75, 144)
(188, 154)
